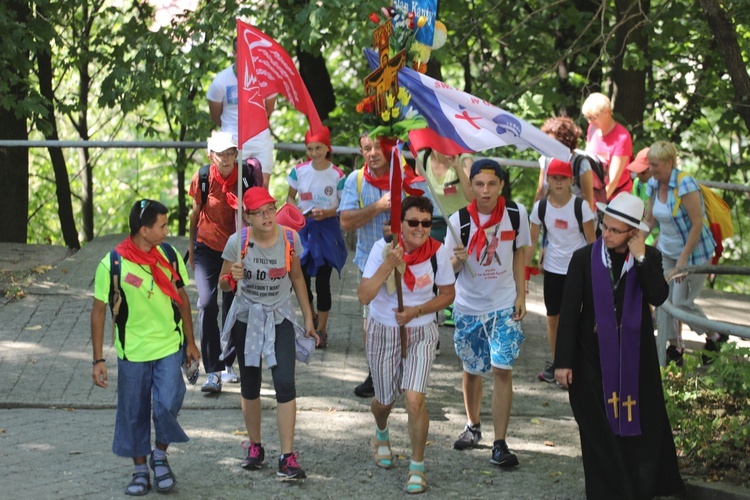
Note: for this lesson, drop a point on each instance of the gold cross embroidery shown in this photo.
(615, 402)
(629, 403)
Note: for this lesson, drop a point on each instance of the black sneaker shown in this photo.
(469, 438)
(674, 355)
(501, 455)
(255, 456)
(289, 468)
(365, 389)
(713, 346)
(548, 375)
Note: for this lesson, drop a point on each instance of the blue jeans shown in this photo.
(208, 264)
(137, 382)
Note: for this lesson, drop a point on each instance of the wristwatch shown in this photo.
(640, 259)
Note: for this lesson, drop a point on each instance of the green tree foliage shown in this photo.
(661, 61)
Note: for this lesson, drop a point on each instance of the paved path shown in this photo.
(56, 426)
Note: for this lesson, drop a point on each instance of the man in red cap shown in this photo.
(319, 184)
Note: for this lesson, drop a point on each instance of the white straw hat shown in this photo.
(627, 208)
(220, 141)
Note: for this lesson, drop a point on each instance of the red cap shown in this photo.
(322, 136)
(256, 197)
(640, 163)
(560, 168)
(290, 216)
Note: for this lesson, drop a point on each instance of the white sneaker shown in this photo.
(229, 377)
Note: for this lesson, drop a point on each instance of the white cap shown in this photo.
(220, 141)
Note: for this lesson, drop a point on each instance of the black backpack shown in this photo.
(600, 175)
(577, 208)
(252, 175)
(464, 220)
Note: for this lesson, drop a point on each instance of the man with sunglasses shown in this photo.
(426, 276)
(606, 356)
(154, 337)
(491, 303)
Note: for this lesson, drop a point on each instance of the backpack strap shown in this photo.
(115, 296)
(289, 244)
(677, 199)
(433, 263)
(515, 218)
(542, 211)
(203, 182)
(464, 221)
(360, 179)
(578, 210)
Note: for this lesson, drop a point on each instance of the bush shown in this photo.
(709, 410)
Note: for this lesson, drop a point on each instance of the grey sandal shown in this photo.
(139, 488)
(164, 477)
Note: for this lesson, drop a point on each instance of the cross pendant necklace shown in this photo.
(149, 293)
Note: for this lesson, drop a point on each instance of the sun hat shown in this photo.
(256, 197)
(627, 208)
(220, 141)
(640, 163)
(323, 136)
(486, 166)
(290, 216)
(560, 168)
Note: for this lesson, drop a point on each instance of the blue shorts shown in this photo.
(486, 341)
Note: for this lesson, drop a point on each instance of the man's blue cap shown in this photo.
(486, 166)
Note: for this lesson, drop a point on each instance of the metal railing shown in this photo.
(693, 320)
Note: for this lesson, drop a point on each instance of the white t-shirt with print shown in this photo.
(317, 188)
(563, 234)
(224, 89)
(493, 286)
(382, 306)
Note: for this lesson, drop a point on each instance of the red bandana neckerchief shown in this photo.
(479, 240)
(383, 182)
(228, 185)
(421, 254)
(128, 250)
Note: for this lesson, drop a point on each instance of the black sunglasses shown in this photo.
(415, 223)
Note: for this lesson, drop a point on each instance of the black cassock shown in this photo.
(614, 466)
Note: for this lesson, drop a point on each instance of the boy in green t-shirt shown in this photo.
(154, 336)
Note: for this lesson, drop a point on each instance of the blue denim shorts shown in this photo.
(137, 382)
(488, 340)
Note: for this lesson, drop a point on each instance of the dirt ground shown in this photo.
(19, 264)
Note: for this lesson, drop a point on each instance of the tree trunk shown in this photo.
(82, 126)
(629, 85)
(726, 38)
(314, 73)
(14, 162)
(62, 182)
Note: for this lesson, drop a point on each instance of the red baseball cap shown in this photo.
(560, 168)
(640, 163)
(256, 197)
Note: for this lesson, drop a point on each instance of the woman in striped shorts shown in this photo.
(427, 285)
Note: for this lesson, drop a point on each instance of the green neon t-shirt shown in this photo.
(152, 324)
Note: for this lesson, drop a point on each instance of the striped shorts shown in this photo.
(392, 375)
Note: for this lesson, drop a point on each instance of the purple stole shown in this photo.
(619, 348)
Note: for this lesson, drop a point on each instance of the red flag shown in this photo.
(251, 108)
(396, 185)
(275, 72)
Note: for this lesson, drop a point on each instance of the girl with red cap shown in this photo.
(316, 187)
(567, 224)
(261, 322)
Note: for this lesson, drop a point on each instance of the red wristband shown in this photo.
(232, 282)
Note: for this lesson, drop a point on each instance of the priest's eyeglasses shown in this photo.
(616, 232)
